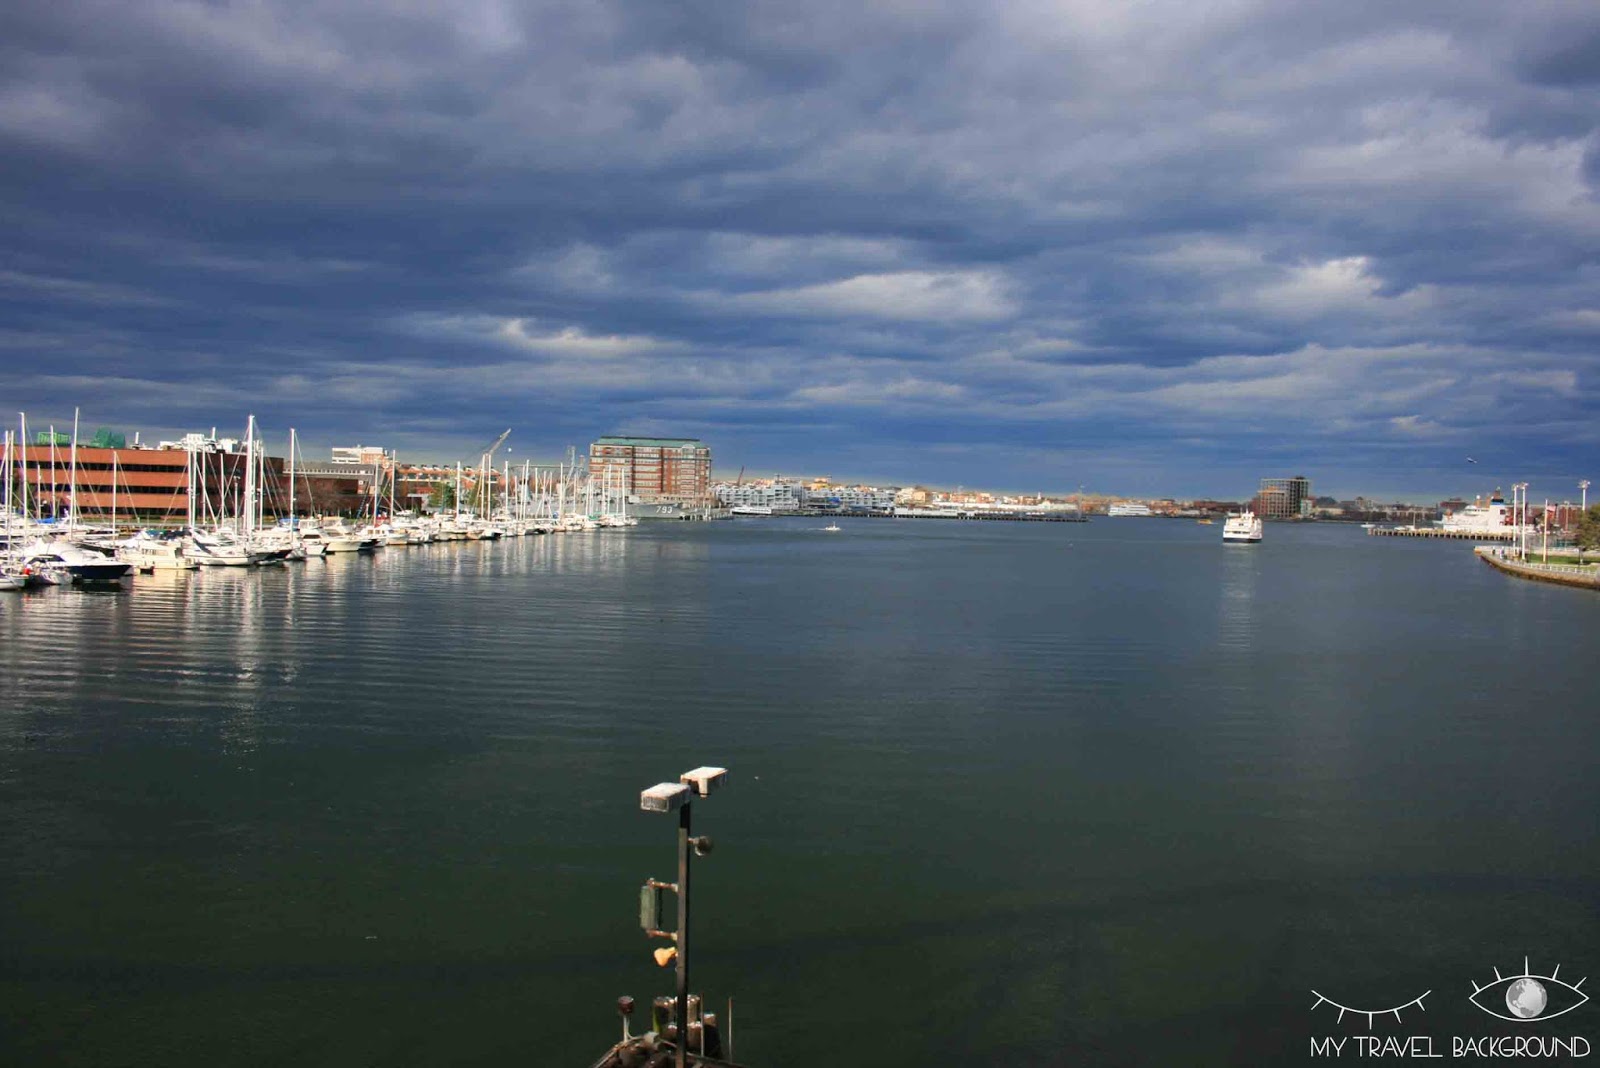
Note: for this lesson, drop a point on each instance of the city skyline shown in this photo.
(1152, 252)
(313, 455)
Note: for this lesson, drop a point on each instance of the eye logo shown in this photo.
(1369, 1013)
(1526, 996)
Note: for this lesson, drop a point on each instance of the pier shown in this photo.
(991, 516)
(1436, 532)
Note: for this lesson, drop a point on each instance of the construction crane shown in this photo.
(487, 452)
(486, 469)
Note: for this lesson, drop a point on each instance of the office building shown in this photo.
(1284, 498)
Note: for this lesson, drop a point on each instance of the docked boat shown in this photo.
(749, 511)
(1243, 527)
(64, 562)
(337, 538)
(1483, 516)
(216, 548)
(152, 550)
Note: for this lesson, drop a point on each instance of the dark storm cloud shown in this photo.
(1166, 246)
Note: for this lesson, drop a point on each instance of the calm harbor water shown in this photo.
(1004, 793)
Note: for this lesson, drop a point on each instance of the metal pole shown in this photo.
(682, 1056)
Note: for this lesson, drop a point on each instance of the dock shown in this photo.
(1435, 532)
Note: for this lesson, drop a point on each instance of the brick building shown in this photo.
(138, 485)
(656, 470)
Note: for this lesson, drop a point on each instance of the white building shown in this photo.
(780, 496)
(863, 498)
(361, 455)
(197, 442)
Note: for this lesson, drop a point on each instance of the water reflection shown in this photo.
(1238, 587)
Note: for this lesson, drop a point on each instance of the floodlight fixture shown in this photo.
(677, 797)
(664, 797)
(705, 780)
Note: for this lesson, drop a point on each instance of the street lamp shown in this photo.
(1521, 517)
(669, 797)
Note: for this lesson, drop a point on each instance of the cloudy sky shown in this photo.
(1144, 247)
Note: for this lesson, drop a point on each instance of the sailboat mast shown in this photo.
(9, 508)
(27, 491)
(292, 518)
(72, 491)
(247, 514)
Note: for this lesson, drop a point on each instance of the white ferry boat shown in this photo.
(1243, 527)
(1129, 508)
(750, 510)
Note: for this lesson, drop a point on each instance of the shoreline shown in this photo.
(1561, 574)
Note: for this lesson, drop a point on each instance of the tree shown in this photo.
(1588, 536)
(443, 497)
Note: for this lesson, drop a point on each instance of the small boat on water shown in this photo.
(831, 528)
(1242, 527)
(1204, 522)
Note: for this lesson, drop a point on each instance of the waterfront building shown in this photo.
(851, 498)
(781, 495)
(137, 485)
(197, 442)
(1283, 498)
(912, 495)
(653, 470)
(363, 455)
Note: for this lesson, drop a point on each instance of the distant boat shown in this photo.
(1204, 522)
(1244, 527)
(832, 528)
